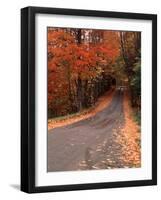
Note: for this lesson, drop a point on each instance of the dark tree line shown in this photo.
(131, 53)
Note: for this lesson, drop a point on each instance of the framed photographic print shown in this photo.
(88, 99)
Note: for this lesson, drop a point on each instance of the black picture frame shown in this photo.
(28, 98)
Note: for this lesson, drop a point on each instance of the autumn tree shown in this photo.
(79, 68)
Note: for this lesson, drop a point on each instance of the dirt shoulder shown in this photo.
(102, 102)
(130, 137)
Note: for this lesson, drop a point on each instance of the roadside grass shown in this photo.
(69, 116)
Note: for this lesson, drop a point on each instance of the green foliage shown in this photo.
(135, 81)
(136, 90)
(119, 69)
(137, 117)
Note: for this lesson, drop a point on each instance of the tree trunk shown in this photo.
(79, 94)
(79, 85)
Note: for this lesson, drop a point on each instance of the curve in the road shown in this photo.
(89, 143)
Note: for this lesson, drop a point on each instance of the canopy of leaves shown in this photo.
(83, 63)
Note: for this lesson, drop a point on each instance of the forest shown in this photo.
(83, 64)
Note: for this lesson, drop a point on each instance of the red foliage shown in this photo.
(68, 60)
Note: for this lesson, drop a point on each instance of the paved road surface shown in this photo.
(90, 143)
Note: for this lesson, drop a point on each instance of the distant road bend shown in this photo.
(89, 143)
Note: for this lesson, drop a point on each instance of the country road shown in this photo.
(89, 143)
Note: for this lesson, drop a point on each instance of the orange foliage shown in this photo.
(68, 60)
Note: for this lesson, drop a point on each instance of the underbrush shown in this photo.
(137, 117)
